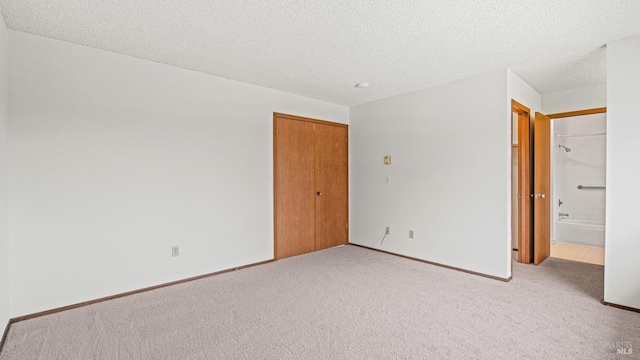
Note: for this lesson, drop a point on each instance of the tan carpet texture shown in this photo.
(346, 303)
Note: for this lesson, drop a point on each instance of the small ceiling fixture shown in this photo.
(362, 85)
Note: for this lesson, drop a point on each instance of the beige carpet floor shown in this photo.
(345, 303)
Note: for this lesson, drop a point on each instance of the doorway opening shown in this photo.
(520, 182)
(578, 158)
(567, 187)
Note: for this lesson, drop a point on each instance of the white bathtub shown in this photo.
(580, 232)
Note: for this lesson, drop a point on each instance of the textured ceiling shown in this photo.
(320, 49)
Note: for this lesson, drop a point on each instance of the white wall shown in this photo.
(588, 97)
(523, 93)
(4, 117)
(115, 159)
(514, 182)
(514, 198)
(449, 178)
(622, 248)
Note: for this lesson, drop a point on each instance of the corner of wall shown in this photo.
(622, 233)
(429, 191)
(522, 92)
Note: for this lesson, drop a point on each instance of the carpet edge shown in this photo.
(437, 264)
(133, 292)
(4, 335)
(628, 308)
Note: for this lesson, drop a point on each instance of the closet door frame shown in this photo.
(275, 170)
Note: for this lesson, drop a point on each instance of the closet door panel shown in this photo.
(542, 188)
(294, 187)
(331, 182)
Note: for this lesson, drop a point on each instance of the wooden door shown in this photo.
(310, 185)
(524, 183)
(331, 186)
(294, 187)
(542, 189)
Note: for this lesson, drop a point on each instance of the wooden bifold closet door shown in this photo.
(542, 189)
(310, 185)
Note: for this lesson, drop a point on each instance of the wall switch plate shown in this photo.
(411, 234)
(387, 180)
(387, 160)
(175, 251)
(387, 230)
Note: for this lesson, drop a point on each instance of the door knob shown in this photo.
(319, 193)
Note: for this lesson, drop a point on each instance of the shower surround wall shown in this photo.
(583, 165)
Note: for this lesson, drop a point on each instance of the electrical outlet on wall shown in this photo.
(175, 251)
(411, 234)
(387, 230)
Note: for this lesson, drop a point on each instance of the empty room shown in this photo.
(319, 179)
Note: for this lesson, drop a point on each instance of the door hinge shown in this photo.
(277, 133)
(347, 225)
